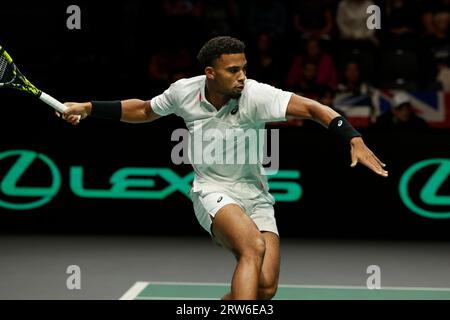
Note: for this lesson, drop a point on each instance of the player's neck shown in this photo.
(217, 99)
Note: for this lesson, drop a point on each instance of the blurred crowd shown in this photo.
(316, 47)
(321, 49)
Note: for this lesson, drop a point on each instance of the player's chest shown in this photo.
(231, 115)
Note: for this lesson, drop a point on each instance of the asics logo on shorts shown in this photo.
(220, 199)
(339, 123)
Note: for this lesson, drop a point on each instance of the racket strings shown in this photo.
(4, 63)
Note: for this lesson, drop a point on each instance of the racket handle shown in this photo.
(55, 104)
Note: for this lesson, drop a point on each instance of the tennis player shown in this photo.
(232, 201)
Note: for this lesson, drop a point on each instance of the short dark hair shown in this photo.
(217, 46)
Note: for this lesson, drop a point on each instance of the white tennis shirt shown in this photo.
(226, 144)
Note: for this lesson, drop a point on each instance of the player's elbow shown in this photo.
(149, 114)
(146, 109)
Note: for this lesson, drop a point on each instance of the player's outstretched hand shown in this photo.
(361, 153)
(75, 112)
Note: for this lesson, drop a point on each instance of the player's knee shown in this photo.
(255, 248)
(267, 292)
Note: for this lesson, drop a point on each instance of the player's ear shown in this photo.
(210, 74)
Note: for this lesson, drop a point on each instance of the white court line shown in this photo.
(362, 287)
(300, 286)
(137, 288)
(134, 291)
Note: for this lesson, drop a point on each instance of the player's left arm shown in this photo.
(305, 108)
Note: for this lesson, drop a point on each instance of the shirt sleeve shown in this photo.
(267, 103)
(165, 103)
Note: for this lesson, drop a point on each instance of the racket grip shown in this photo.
(55, 104)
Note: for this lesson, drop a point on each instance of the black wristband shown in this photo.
(340, 127)
(110, 110)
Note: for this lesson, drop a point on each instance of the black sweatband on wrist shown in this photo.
(110, 110)
(341, 128)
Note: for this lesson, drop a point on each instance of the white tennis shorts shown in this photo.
(259, 209)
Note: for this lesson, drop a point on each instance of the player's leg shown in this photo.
(270, 271)
(237, 232)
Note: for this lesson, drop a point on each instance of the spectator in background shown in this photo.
(443, 76)
(266, 16)
(327, 97)
(438, 43)
(352, 91)
(401, 24)
(401, 117)
(326, 74)
(309, 88)
(168, 64)
(435, 49)
(351, 19)
(221, 17)
(428, 9)
(351, 84)
(357, 42)
(308, 85)
(158, 68)
(182, 64)
(184, 19)
(313, 18)
(265, 66)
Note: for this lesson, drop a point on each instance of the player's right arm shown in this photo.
(138, 111)
(133, 111)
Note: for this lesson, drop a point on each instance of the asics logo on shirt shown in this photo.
(235, 110)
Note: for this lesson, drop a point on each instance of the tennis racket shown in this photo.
(11, 77)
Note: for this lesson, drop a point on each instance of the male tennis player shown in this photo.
(232, 202)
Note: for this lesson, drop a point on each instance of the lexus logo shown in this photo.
(427, 198)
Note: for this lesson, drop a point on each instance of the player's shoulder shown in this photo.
(189, 84)
(255, 89)
(186, 88)
(256, 85)
(249, 83)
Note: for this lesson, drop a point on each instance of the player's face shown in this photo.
(230, 74)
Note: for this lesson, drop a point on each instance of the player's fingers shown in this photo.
(70, 111)
(379, 161)
(372, 163)
(73, 118)
(354, 159)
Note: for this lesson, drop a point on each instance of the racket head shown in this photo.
(11, 77)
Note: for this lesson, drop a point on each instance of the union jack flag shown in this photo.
(432, 106)
(362, 110)
(357, 109)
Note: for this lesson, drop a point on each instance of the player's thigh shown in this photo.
(236, 231)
